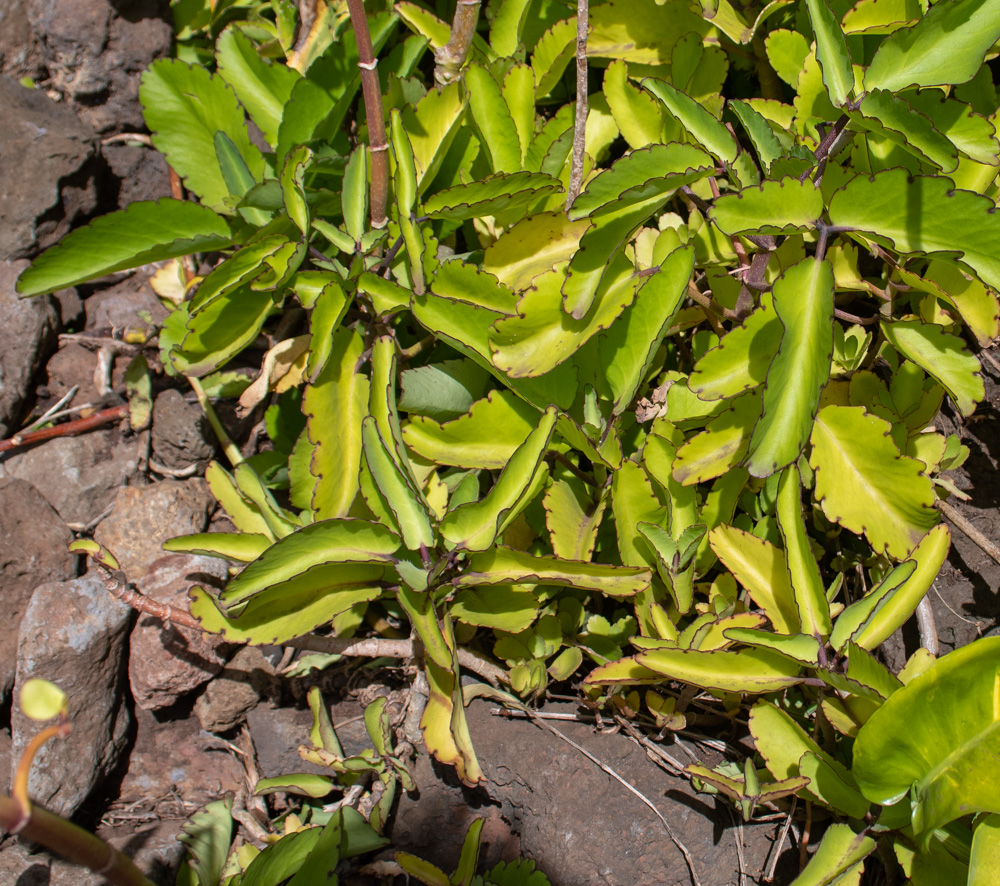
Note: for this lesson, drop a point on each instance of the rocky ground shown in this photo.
(165, 720)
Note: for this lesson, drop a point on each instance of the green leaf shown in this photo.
(640, 175)
(641, 31)
(246, 515)
(803, 570)
(765, 142)
(239, 269)
(543, 335)
(499, 607)
(552, 53)
(500, 565)
(508, 23)
(476, 525)
(722, 445)
(292, 188)
(396, 488)
(831, 52)
(803, 300)
(946, 46)
(984, 860)
(533, 247)
(572, 530)
(143, 233)
(431, 126)
(492, 118)
(293, 608)
(302, 784)
(748, 670)
(493, 195)
(763, 570)
(839, 854)
(776, 207)
(634, 502)
(262, 87)
(485, 438)
(282, 859)
(628, 348)
(881, 16)
(787, 51)
(207, 835)
(442, 391)
(798, 647)
(184, 107)
(640, 118)
(218, 332)
(886, 609)
(939, 737)
(742, 357)
(328, 541)
(240, 547)
(943, 357)
(895, 119)
(865, 485)
(700, 124)
(334, 406)
(594, 262)
(42, 700)
(972, 134)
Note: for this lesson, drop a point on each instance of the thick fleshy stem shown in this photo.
(580, 122)
(378, 145)
(19, 816)
(448, 59)
(118, 586)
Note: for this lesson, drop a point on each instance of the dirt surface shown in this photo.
(570, 801)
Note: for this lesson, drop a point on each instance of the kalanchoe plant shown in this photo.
(691, 407)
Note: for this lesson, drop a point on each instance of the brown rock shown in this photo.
(73, 634)
(32, 552)
(167, 661)
(182, 435)
(78, 476)
(46, 171)
(144, 517)
(227, 699)
(27, 336)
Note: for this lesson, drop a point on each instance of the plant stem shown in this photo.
(71, 842)
(449, 58)
(66, 429)
(378, 145)
(116, 584)
(580, 121)
(228, 446)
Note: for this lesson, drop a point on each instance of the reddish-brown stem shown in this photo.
(449, 58)
(117, 585)
(378, 145)
(66, 429)
(580, 121)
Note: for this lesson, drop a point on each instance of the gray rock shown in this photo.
(73, 634)
(227, 699)
(144, 517)
(167, 661)
(46, 171)
(32, 552)
(78, 476)
(182, 435)
(27, 335)
(94, 55)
